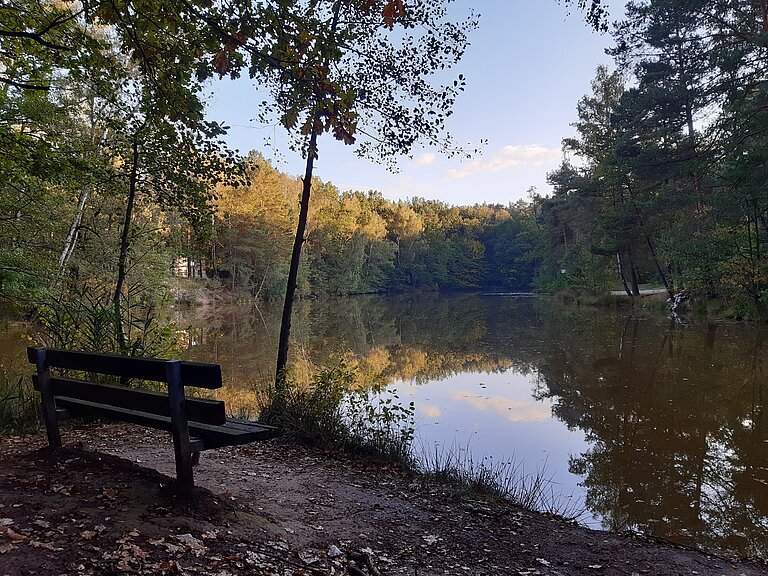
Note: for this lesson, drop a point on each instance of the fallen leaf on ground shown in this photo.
(195, 546)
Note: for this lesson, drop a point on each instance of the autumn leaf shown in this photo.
(394, 10)
(344, 135)
(221, 62)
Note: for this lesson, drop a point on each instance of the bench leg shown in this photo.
(48, 402)
(195, 458)
(179, 427)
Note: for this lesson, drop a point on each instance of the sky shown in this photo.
(528, 64)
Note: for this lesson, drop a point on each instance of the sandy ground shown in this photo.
(106, 505)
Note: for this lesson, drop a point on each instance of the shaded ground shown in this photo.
(278, 508)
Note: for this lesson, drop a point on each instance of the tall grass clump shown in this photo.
(497, 480)
(19, 406)
(84, 319)
(328, 412)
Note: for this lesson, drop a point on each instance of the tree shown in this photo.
(123, 76)
(340, 66)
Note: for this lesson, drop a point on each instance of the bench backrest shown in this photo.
(194, 374)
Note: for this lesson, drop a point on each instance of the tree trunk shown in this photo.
(622, 276)
(658, 264)
(74, 231)
(293, 271)
(124, 248)
(632, 273)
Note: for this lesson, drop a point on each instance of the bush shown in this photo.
(328, 413)
(83, 318)
(19, 405)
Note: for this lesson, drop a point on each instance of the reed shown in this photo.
(491, 479)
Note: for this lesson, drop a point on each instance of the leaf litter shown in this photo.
(91, 513)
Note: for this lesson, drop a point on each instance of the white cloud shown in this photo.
(426, 159)
(431, 411)
(509, 408)
(508, 157)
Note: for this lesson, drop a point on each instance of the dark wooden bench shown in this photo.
(196, 424)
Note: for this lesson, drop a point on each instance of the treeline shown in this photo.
(668, 183)
(359, 242)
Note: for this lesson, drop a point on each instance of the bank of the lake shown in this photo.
(644, 423)
(101, 506)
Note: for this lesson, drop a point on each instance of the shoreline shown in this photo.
(105, 503)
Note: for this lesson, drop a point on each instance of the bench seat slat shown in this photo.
(195, 374)
(198, 409)
(232, 433)
(228, 434)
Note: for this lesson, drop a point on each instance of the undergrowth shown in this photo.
(19, 405)
(497, 480)
(329, 413)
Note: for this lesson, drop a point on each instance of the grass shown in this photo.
(19, 405)
(376, 426)
(498, 480)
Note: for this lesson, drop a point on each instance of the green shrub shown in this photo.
(328, 413)
(19, 405)
(312, 413)
(83, 318)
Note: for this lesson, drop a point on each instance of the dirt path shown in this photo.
(278, 508)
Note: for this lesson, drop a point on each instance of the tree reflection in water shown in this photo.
(674, 415)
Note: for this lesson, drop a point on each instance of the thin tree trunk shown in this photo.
(622, 276)
(648, 240)
(633, 273)
(125, 246)
(293, 271)
(74, 231)
(658, 264)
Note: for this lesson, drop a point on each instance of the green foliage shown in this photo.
(329, 413)
(380, 425)
(19, 403)
(83, 318)
(672, 185)
(313, 413)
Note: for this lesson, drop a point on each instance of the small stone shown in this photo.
(334, 552)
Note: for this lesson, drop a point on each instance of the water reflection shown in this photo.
(676, 425)
(660, 428)
(664, 426)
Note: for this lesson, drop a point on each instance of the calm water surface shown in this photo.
(650, 425)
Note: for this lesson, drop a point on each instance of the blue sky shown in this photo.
(528, 64)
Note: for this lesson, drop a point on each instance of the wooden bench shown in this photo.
(196, 424)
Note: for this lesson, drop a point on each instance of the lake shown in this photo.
(648, 424)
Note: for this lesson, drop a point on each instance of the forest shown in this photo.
(664, 180)
(113, 180)
(358, 242)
